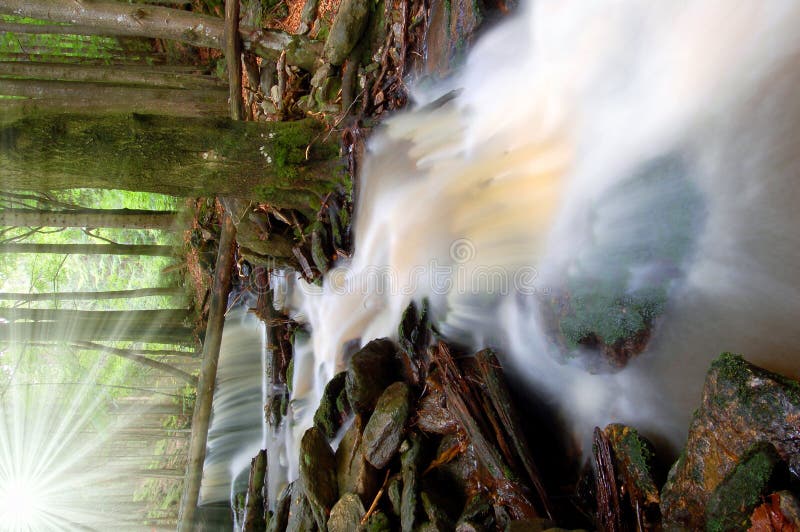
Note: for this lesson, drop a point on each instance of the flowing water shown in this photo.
(597, 171)
(238, 427)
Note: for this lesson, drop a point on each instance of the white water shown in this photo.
(540, 170)
(238, 428)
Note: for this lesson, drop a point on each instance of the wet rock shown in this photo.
(353, 473)
(513, 443)
(477, 515)
(742, 405)
(414, 336)
(386, 425)
(318, 474)
(372, 369)
(254, 504)
(531, 525)
(333, 406)
(349, 24)
(301, 517)
(433, 415)
(633, 457)
(733, 501)
(307, 16)
(393, 491)
(377, 522)
(410, 456)
(346, 514)
(457, 466)
(452, 26)
(781, 512)
(436, 514)
(279, 520)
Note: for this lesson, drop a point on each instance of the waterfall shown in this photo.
(606, 193)
(238, 427)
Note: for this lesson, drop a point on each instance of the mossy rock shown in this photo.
(742, 406)
(333, 406)
(372, 369)
(733, 501)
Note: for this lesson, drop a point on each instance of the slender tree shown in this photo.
(116, 218)
(101, 98)
(173, 77)
(166, 291)
(150, 250)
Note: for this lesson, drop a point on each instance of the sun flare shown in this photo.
(21, 504)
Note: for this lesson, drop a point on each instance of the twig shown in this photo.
(375, 501)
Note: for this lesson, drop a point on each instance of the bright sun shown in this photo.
(20, 506)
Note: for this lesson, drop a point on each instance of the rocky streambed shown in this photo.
(419, 435)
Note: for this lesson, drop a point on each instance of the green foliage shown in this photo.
(54, 273)
(65, 46)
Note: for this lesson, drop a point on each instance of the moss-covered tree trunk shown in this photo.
(286, 164)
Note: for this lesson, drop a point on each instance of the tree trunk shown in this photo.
(116, 218)
(135, 318)
(286, 164)
(144, 361)
(175, 78)
(128, 99)
(93, 330)
(149, 250)
(162, 23)
(78, 296)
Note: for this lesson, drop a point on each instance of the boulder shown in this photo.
(349, 24)
(318, 474)
(372, 369)
(333, 406)
(301, 518)
(735, 499)
(279, 519)
(353, 473)
(346, 514)
(410, 457)
(742, 405)
(386, 425)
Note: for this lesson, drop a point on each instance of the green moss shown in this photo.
(290, 375)
(378, 522)
(736, 497)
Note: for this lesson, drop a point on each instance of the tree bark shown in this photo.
(128, 99)
(78, 296)
(148, 250)
(162, 23)
(134, 318)
(92, 330)
(116, 218)
(287, 164)
(233, 58)
(144, 361)
(168, 77)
